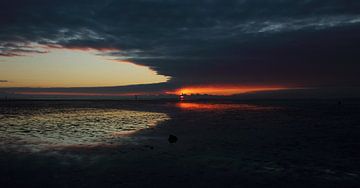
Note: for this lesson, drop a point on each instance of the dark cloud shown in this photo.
(308, 43)
(3, 81)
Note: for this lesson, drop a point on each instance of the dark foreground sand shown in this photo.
(302, 143)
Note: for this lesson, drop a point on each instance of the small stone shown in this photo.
(172, 138)
(150, 147)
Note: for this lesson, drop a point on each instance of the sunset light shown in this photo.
(179, 93)
(222, 90)
(78, 67)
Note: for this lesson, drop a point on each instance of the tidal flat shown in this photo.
(258, 143)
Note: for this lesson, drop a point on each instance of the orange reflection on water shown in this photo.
(220, 106)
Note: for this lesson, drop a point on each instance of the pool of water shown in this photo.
(49, 127)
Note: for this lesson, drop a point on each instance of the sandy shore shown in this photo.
(220, 144)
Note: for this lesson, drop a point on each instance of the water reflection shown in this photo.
(53, 127)
(198, 106)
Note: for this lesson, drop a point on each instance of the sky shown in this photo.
(170, 46)
(72, 68)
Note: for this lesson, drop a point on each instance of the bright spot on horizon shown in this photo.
(72, 68)
(222, 90)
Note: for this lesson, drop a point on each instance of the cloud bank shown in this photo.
(306, 43)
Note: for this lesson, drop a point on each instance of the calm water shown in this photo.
(50, 127)
(41, 127)
(125, 143)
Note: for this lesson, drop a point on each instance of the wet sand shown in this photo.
(278, 143)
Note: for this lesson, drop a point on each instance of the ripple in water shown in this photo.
(52, 128)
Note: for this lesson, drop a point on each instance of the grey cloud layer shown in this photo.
(249, 42)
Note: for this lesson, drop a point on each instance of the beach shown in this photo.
(258, 143)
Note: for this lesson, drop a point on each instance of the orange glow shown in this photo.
(221, 90)
(212, 106)
(66, 68)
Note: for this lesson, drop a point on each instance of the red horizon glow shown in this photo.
(222, 90)
(210, 90)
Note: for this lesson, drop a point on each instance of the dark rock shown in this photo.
(172, 138)
(150, 147)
